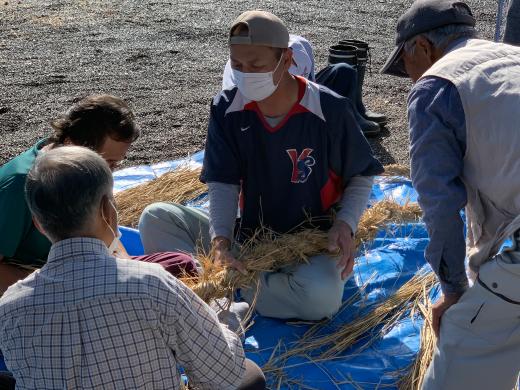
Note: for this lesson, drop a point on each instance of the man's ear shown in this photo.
(292, 57)
(288, 60)
(105, 209)
(424, 47)
(38, 226)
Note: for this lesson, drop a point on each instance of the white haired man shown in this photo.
(465, 150)
(87, 320)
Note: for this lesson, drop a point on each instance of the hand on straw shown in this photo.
(440, 307)
(341, 238)
(223, 255)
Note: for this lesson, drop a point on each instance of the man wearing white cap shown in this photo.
(294, 151)
(465, 151)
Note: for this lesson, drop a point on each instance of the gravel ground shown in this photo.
(166, 59)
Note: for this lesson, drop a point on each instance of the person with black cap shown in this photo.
(465, 150)
(294, 152)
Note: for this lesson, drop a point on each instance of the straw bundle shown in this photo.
(267, 251)
(413, 380)
(178, 186)
(383, 213)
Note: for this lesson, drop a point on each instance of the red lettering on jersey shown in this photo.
(301, 164)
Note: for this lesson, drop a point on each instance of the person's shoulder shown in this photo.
(333, 106)
(135, 270)
(321, 101)
(225, 97)
(430, 85)
(14, 172)
(430, 89)
(12, 181)
(18, 298)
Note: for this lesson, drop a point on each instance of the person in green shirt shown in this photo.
(103, 123)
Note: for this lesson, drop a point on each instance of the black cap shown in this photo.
(423, 16)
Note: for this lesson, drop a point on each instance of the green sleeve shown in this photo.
(14, 215)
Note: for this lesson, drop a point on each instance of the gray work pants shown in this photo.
(309, 292)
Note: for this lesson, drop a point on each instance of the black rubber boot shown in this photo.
(362, 59)
(348, 54)
(343, 54)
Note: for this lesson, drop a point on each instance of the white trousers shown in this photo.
(479, 344)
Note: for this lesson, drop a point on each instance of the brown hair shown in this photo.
(92, 119)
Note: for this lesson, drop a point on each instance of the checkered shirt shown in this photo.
(89, 321)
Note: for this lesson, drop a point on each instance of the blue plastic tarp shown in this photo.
(381, 268)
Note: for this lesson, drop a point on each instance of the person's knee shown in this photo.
(343, 69)
(322, 299)
(155, 213)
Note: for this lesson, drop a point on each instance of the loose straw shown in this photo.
(387, 313)
(178, 186)
(414, 378)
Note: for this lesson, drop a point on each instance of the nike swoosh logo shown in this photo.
(245, 128)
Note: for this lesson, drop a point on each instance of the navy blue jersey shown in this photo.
(294, 171)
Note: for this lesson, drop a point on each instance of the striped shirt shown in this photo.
(87, 320)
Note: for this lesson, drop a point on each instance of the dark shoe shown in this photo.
(362, 51)
(369, 128)
(381, 119)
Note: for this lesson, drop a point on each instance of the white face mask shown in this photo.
(256, 86)
(114, 245)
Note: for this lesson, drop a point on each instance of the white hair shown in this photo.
(442, 36)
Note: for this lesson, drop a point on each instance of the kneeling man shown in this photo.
(293, 150)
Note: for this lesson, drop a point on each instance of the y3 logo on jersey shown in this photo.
(302, 164)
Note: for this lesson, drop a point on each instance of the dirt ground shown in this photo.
(166, 58)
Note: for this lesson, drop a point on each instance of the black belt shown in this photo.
(497, 294)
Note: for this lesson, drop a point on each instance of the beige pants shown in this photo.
(309, 292)
(479, 345)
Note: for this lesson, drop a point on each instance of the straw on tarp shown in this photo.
(180, 186)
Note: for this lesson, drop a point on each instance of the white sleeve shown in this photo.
(223, 207)
(355, 200)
